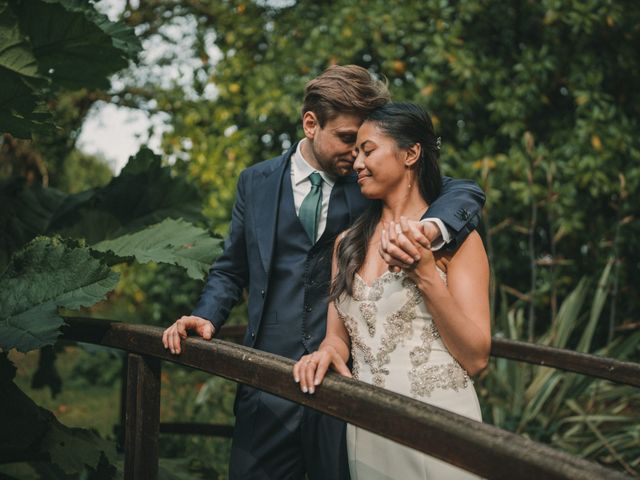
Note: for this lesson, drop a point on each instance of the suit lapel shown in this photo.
(267, 186)
(355, 203)
(345, 205)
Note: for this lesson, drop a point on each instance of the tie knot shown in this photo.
(316, 179)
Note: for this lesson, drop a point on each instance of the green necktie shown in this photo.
(312, 206)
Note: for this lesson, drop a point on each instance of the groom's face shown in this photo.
(333, 144)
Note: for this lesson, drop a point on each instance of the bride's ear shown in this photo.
(412, 155)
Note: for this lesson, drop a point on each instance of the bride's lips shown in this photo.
(361, 177)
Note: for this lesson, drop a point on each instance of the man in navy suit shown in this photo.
(281, 253)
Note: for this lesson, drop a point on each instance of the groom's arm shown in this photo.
(458, 210)
(229, 274)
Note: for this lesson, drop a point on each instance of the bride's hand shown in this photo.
(311, 369)
(397, 250)
(423, 262)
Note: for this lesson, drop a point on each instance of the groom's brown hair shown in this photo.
(344, 89)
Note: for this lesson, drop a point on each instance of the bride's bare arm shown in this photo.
(460, 309)
(333, 351)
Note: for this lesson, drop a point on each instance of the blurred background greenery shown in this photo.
(537, 101)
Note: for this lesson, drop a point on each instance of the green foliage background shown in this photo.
(534, 100)
(537, 101)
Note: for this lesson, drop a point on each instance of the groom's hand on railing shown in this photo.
(178, 331)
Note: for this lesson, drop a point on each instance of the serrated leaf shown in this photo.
(72, 43)
(74, 448)
(31, 431)
(45, 275)
(144, 193)
(23, 422)
(175, 242)
(16, 55)
(49, 44)
(21, 107)
(26, 213)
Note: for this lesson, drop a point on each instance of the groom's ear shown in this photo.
(310, 124)
(413, 155)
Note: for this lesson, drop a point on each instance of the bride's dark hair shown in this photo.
(407, 124)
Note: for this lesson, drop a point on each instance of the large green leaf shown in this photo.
(29, 431)
(171, 241)
(52, 44)
(144, 193)
(45, 275)
(21, 108)
(16, 55)
(26, 213)
(73, 43)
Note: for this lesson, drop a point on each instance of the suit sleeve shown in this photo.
(229, 275)
(459, 206)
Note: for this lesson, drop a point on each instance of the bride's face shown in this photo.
(379, 162)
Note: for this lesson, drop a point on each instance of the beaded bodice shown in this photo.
(394, 341)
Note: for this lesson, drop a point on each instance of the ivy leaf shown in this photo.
(171, 241)
(45, 275)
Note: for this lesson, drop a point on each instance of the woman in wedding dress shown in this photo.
(421, 331)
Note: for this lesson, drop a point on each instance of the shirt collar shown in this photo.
(301, 168)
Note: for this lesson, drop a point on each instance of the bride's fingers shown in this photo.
(405, 240)
(341, 367)
(399, 256)
(321, 370)
(309, 374)
(418, 233)
(296, 371)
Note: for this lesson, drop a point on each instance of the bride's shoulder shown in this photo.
(470, 254)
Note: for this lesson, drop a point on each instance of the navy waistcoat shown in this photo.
(295, 312)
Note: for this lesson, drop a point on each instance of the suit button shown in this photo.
(463, 214)
(307, 336)
(307, 308)
(262, 293)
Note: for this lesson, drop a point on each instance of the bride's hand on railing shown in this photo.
(311, 369)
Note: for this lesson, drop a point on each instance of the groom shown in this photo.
(287, 214)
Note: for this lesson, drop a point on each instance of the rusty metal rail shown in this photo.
(480, 448)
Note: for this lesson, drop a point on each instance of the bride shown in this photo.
(421, 331)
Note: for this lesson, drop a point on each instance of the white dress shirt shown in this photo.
(300, 171)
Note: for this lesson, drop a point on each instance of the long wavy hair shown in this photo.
(407, 124)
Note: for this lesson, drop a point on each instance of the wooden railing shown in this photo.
(480, 448)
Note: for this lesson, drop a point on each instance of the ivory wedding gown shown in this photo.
(395, 345)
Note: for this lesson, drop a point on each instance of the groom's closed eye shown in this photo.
(347, 138)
